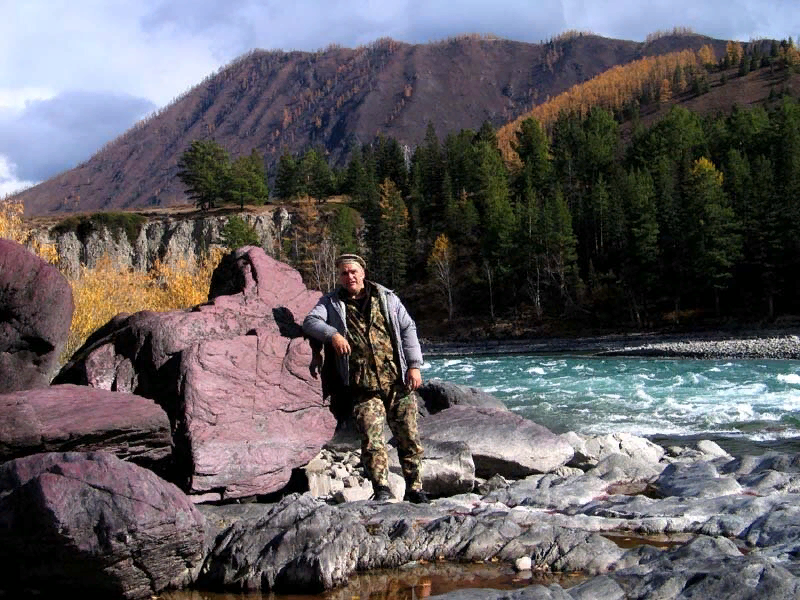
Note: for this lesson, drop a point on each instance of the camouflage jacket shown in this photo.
(329, 317)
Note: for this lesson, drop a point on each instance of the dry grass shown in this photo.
(106, 290)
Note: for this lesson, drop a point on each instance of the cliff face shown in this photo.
(168, 239)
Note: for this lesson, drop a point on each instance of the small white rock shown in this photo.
(523, 564)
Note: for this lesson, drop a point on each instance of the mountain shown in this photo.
(277, 101)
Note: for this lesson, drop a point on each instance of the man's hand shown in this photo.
(340, 344)
(315, 367)
(413, 379)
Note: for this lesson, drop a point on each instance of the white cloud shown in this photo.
(9, 183)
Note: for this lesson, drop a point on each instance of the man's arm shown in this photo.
(410, 347)
(408, 338)
(316, 326)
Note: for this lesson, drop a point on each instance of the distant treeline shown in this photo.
(693, 215)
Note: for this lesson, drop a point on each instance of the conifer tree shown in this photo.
(205, 169)
(641, 256)
(288, 184)
(248, 180)
(391, 252)
(716, 242)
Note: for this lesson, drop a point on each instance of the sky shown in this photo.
(76, 74)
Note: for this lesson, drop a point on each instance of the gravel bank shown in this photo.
(756, 345)
(779, 347)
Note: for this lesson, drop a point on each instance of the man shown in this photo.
(373, 340)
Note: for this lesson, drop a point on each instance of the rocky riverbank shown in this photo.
(761, 344)
(193, 449)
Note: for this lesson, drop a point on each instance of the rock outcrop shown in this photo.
(167, 239)
(438, 395)
(35, 314)
(230, 374)
(80, 522)
(81, 419)
(501, 442)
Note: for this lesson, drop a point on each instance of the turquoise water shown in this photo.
(736, 403)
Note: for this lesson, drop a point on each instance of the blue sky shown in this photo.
(76, 74)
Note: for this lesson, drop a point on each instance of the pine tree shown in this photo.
(316, 175)
(391, 253)
(640, 266)
(205, 169)
(287, 179)
(716, 242)
(237, 233)
(248, 180)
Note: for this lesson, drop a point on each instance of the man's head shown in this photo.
(350, 268)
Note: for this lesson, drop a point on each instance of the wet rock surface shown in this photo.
(728, 541)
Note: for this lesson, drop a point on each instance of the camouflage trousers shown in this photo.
(398, 408)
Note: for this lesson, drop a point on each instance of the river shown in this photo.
(744, 405)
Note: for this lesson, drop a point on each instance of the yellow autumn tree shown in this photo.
(733, 52)
(13, 227)
(610, 90)
(440, 263)
(706, 56)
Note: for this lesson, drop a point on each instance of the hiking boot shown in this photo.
(417, 497)
(382, 493)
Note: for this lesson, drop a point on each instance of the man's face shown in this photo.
(351, 276)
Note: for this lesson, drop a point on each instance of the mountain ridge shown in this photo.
(277, 101)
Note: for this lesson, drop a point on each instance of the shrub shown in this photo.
(106, 291)
(13, 228)
(116, 223)
(237, 233)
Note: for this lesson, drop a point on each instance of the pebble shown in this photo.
(523, 564)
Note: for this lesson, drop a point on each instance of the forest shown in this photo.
(557, 216)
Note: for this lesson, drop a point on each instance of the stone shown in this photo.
(501, 442)
(615, 468)
(232, 375)
(82, 419)
(697, 480)
(523, 564)
(447, 467)
(437, 395)
(36, 309)
(711, 449)
(91, 523)
(591, 449)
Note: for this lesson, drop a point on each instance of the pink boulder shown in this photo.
(231, 374)
(93, 525)
(80, 418)
(35, 316)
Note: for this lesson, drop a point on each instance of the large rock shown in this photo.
(501, 442)
(91, 523)
(232, 375)
(303, 545)
(438, 395)
(35, 315)
(590, 449)
(80, 418)
(251, 413)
